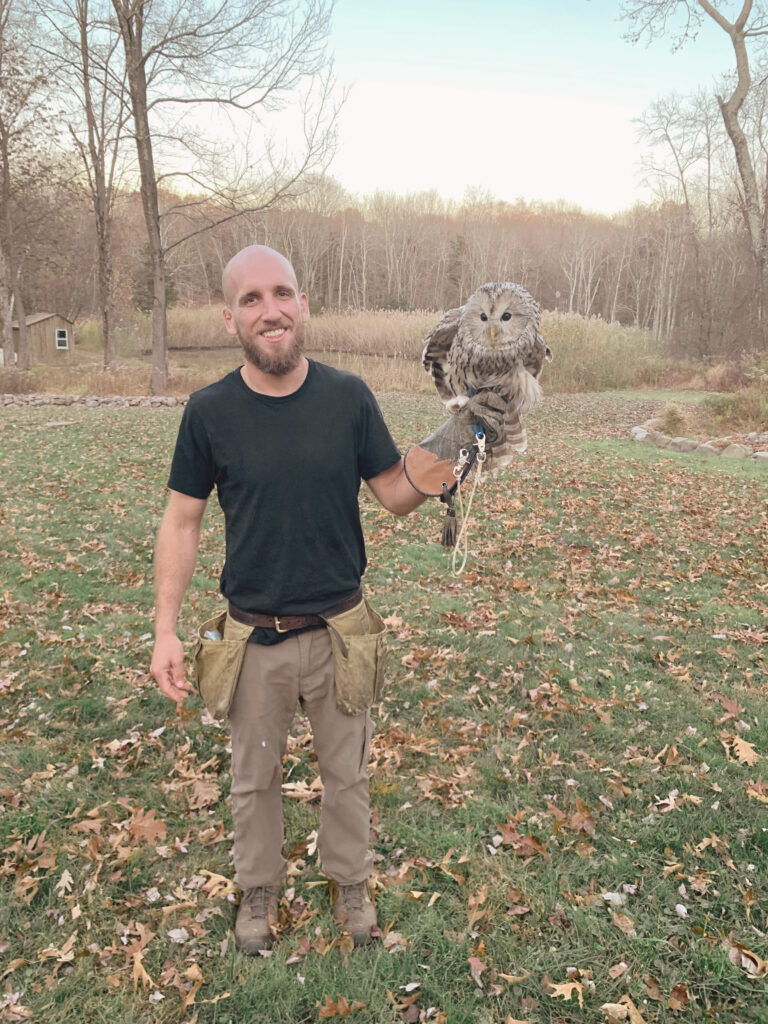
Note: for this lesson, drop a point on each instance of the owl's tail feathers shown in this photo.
(526, 392)
(524, 395)
(513, 442)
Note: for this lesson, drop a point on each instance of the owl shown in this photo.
(491, 342)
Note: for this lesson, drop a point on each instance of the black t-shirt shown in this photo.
(287, 473)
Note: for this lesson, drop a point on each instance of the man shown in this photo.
(286, 441)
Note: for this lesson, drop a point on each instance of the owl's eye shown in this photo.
(506, 316)
(483, 316)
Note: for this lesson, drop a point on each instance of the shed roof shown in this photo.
(35, 318)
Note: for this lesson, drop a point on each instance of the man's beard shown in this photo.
(279, 363)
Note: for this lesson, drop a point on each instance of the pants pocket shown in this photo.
(218, 661)
(359, 658)
(367, 737)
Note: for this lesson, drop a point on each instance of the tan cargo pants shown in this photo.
(271, 683)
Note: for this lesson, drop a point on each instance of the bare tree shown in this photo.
(24, 136)
(684, 17)
(688, 135)
(241, 56)
(86, 52)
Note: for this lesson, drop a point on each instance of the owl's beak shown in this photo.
(492, 333)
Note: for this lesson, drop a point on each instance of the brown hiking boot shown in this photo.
(353, 910)
(256, 918)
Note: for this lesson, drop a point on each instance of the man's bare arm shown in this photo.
(175, 557)
(393, 490)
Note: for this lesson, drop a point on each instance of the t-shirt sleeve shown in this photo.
(193, 471)
(377, 451)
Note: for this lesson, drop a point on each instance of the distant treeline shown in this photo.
(108, 205)
(647, 267)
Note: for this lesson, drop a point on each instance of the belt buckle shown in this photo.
(278, 627)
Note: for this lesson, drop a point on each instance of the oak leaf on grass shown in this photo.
(144, 826)
(567, 989)
(338, 1008)
(625, 1009)
(625, 924)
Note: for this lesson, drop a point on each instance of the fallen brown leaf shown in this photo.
(566, 989)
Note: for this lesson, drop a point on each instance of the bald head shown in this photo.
(265, 310)
(252, 263)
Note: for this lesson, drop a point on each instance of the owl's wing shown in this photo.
(533, 351)
(540, 352)
(434, 356)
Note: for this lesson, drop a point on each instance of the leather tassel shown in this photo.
(448, 540)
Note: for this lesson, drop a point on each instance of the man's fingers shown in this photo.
(488, 408)
(488, 400)
(177, 675)
(179, 681)
(168, 668)
(176, 689)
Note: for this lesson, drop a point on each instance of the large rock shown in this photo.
(760, 455)
(682, 444)
(706, 449)
(638, 434)
(736, 451)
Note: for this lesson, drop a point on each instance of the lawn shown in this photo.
(569, 805)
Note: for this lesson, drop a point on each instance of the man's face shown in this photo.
(266, 312)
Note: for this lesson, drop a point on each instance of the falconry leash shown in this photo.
(465, 462)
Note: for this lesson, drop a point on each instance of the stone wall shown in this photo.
(120, 401)
(724, 448)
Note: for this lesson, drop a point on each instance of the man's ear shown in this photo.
(228, 321)
(304, 305)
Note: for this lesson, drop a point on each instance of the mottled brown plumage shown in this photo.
(491, 342)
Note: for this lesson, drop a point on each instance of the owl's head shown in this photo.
(498, 313)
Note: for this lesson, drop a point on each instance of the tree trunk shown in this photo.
(23, 358)
(23, 361)
(131, 20)
(6, 314)
(106, 288)
(729, 109)
(101, 195)
(108, 330)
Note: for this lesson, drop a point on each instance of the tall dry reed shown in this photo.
(383, 346)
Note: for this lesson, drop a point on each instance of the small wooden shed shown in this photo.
(50, 336)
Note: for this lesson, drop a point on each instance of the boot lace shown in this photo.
(258, 900)
(353, 895)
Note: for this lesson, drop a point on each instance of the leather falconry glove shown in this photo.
(430, 464)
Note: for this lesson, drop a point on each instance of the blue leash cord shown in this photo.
(477, 429)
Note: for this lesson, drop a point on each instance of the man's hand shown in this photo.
(168, 667)
(429, 464)
(486, 408)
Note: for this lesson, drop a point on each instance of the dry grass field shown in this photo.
(382, 346)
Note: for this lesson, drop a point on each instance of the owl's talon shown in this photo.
(456, 403)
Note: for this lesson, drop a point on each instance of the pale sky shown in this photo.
(531, 100)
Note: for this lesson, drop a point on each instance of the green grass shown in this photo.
(584, 695)
(665, 395)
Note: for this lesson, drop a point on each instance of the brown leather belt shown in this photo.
(288, 623)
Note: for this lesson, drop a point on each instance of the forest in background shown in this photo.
(114, 200)
(648, 267)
